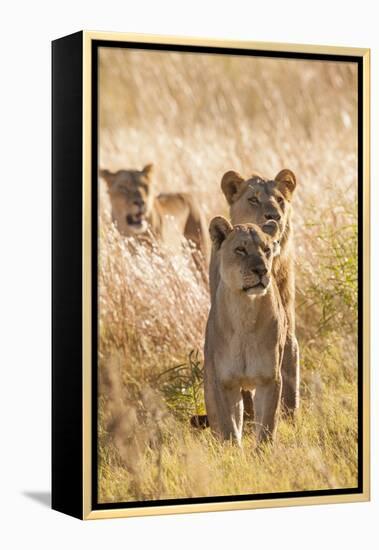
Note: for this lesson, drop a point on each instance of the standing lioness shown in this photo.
(256, 200)
(246, 330)
(169, 216)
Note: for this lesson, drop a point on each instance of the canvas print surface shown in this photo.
(227, 275)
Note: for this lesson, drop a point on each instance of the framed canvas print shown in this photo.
(210, 275)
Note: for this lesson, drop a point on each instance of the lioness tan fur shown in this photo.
(137, 209)
(246, 330)
(256, 200)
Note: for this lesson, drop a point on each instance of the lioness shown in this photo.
(136, 208)
(246, 330)
(256, 200)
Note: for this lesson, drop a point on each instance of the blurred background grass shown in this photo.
(195, 117)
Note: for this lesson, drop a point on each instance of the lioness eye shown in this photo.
(240, 251)
(253, 200)
(267, 252)
(280, 201)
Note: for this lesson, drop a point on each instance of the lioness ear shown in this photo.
(219, 229)
(271, 228)
(287, 182)
(231, 184)
(148, 170)
(108, 176)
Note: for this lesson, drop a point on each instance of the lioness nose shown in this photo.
(273, 216)
(259, 270)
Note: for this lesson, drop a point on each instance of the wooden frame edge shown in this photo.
(366, 271)
(225, 43)
(88, 513)
(225, 506)
(87, 277)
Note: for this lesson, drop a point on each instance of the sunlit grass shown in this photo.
(195, 118)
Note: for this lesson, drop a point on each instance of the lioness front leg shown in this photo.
(224, 409)
(266, 409)
(232, 414)
(291, 375)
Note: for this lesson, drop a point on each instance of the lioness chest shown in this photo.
(247, 349)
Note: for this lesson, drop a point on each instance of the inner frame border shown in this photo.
(92, 41)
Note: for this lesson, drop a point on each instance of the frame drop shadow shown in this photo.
(42, 497)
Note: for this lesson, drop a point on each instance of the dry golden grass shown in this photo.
(196, 117)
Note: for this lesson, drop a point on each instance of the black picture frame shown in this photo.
(68, 252)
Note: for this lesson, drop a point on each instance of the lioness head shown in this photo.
(246, 252)
(257, 199)
(131, 196)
